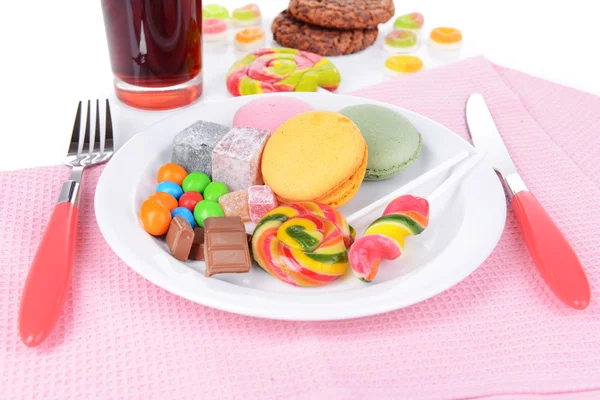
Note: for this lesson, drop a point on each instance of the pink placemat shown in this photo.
(499, 332)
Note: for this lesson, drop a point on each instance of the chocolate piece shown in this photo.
(197, 252)
(226, 246)
(179, 238)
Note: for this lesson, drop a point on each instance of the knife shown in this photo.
(554, 257)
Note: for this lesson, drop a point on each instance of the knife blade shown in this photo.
(552, 254)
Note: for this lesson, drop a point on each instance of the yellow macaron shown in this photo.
(316, 156)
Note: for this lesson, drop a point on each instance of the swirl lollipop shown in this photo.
(303, 244)
(384, 239)
(281, 70)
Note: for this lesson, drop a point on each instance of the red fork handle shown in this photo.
(49, 276)
(553, 255)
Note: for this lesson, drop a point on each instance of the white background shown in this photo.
(54, 54)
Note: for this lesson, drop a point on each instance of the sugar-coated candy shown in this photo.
(401, 41)
(184, 213)
(192, 147)
(246, 16)
(196, 182)
(445, 38)
(413, 21)
(172, 173)
(215, 190)
(235, 204)
(165, 199)
(303, 244)
(261, 200)
(249, 39)
(401, 65)
(214, 30)
(207, 209)
(169, 187)
(215, 11)
(190, 199)
(236, 158)
(154, 217)
(384, 239)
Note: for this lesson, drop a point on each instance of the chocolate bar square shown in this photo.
(179, 238)
(226, 246)
(197, 251)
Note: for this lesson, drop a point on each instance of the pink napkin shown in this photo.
(499, 332)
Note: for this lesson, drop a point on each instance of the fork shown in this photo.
(49, 276)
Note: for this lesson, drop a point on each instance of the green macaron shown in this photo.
(393, 141)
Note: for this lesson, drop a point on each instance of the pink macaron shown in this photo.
(269, 112)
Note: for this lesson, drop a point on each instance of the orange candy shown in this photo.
(446, 35)
(165, 199)
(172, 173)
(155, 218)
(249, 35)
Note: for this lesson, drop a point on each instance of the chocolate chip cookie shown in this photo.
(343, 14)
(290, 32)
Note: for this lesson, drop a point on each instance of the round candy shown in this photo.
(303, 244)
(413, 21)
(165, 199)
(246, 16)
(401, 65)
(444, 38)
(196, 182)
(249, 39)
(281, 70)
(215, 11)
(169, 187)
(154, 217)
(207, 209)
(184, 213)
(400, 41)
(384, 239)
(190, 199)
(214, 29)
(172, 173)
(214, 190)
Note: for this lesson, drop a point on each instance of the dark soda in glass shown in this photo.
(155, 51)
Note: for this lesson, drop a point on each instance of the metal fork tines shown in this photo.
(87, 147)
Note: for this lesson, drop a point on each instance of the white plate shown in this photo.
(465, 226)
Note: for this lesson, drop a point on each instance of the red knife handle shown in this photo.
(49, 276)
(553, 255)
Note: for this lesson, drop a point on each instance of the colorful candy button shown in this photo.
(249, 39)
(215, 11)
(184, 213)
(172, 173)
(165, 199)
(402, 65)
(155, 218)
(413, 22)
(196, 182)
(444, 38)
(190, 199)
(246, 16)
(400, 41)
(207, 209)
(214, 190)
(169, 187)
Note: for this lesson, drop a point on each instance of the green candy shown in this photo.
(195, 182)
(215, 11)
(214, 190)
(207, 209)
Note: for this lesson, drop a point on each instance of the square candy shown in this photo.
(192, 147)
(261, 200)
(236, 158)
(235, 204)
